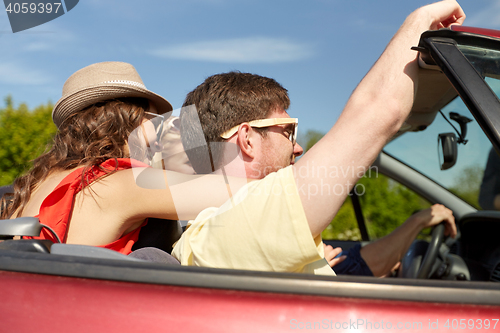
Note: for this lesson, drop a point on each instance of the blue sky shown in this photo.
(318, 49)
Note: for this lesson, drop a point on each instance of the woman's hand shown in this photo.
(331, 253)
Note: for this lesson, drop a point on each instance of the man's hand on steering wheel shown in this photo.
(435, 215)
(381, 255)
(415, 266)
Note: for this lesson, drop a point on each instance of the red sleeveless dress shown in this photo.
(56, 209)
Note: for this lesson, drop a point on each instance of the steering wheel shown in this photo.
(413, 266)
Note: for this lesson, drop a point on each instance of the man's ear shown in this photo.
(246, 137)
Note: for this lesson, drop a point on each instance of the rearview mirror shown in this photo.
(447, 150)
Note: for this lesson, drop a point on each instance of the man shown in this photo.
(276, 223)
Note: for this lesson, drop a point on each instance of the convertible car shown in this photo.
(440, 154)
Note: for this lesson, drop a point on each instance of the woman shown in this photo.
(86, 188)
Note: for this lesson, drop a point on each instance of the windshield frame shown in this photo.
(441, 48)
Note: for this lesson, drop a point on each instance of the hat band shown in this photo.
(131, 83)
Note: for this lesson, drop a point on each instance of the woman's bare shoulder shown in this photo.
(43, 189)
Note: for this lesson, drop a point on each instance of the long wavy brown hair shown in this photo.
(85, 139)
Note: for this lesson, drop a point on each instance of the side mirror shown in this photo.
(447, 150)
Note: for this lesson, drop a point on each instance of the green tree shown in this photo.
(310, 138)
(385, 204)
(24, 135)
(468, 183)
(344, 226)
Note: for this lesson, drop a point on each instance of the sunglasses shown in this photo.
(157, 120)
(154, 122)
(261, 123)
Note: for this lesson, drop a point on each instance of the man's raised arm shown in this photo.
(373, 114)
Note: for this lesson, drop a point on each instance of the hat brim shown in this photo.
(81, 99)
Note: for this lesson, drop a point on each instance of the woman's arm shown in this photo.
(147, 192)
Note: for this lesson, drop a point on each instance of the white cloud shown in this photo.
(53, 40)
(11, 73)
(36, 40)
(488, 17)
(37, 46)
(238, 50)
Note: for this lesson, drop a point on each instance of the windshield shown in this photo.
(467, 177)
(420, 151)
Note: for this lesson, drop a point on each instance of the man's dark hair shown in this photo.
(223, 101)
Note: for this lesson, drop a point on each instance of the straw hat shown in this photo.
(100, 82)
